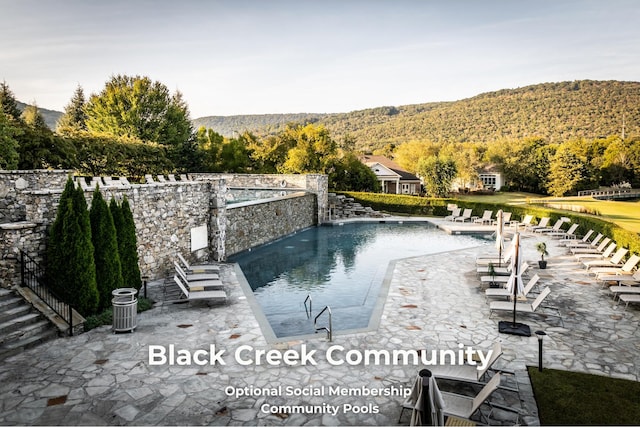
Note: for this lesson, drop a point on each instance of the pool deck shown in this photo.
(433, 302)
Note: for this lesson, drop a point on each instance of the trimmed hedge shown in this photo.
(422, 206)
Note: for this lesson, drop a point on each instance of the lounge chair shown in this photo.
(544, 222)
(621, 290)
(466, 215)
(521, 307)
(526, 222)
(161, 178)
(626, 269)
(199, 268)
(562, 234)
(556, 227)
(467, 372)
(612, 261)
(454, 214)
(594, 255)
(485, 218)
(506, 293)
(621, 279)
(506, 217)
(196, 277)
(199, 285)
(172, 177)
(502, 279)
(628, 298)
(592, 244)
(503, 270)
(455, 405)
(200, 295)
(575, 241)
(148, 179)
(582, 250)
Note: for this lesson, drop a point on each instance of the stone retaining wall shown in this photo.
(164, 213)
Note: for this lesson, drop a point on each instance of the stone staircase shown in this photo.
(341, 207)
(21, 325)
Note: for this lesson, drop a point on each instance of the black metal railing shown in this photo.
(32, 276)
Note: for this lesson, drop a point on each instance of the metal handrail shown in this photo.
(308, 298)
(324, 328)
(31, 276)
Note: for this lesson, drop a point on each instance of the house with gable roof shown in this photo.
(393, 179)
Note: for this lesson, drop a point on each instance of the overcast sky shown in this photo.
(254, 57)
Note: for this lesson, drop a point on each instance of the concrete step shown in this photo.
(12, 348)
(20, 321)
(25, 331)
(4, 292)
(14, 312)
(8, 302)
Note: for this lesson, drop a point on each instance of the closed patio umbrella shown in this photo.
(517, 287)
(499, 235)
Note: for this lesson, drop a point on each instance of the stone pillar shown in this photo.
(218, 219)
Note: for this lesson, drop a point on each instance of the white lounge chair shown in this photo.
(462, 406)
(592, 244)
(506, 218)
(196, 277)
(594, 255)
(612, 261)
(466, 216)
(621, 279)
(485, 218)
(198, 268)
(466, 372)
(629, 298)
(506, 293)
(200, 295)
(590, 250)
(556, 227)
(562, 234)
(626, 269)
(575, 241)
(501, 279)
(454, 214)
(526, 221)
(521, 307)
(544, 222)
(621, 290)
(199, 285)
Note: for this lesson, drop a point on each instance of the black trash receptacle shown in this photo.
(125, 309)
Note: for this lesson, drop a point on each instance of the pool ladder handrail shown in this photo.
(308, 311)
(324, 328)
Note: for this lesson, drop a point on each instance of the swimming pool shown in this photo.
(339, 266)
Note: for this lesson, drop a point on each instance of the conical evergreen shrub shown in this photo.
(127, 242)
(70, 266)
(105, 249)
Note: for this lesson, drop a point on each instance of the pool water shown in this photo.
(339, 266)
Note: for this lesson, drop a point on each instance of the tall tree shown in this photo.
(128, 245)
(70, 267)
(32, 117)
(313, 149)
(9, 103)
(438, 174)
(105, 245)
(140, 108)
(567, 172)
(9, 156)
(74, 118)
(348, 173)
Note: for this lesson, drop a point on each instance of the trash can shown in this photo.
(125, 309)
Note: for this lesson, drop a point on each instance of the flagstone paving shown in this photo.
(434, 302)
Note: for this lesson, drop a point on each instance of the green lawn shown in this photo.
(624, 214)
(573, 398)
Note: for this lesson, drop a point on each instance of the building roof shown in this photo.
(371, 160)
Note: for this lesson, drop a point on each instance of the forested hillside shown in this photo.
(554, 111)
(50, 116)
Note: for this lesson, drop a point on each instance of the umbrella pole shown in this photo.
(515, 328)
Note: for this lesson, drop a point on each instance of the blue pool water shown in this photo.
(339, 266)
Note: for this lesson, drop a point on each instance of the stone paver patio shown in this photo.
(433, 302)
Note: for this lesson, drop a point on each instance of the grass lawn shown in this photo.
(624, 214)
(573, 398)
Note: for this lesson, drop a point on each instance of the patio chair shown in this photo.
(506, 218)
(580, 244)
(196, 277)
(198, 285)
(583, 250)
(504, 292)
(503, 270)
(556, 227)
(467, 372)
(455, 405)
(621, 279)
(501, 279)
(199, 268)
(148, 179)
(574, 239)
(521, 307)
(526, 221)
(594, 255)
(454, 214)
(612, 261)
(485, 218)
(626, 269)
(200, 295)
(628, 298)
(544, 222)
(562, 234)
(621, 290)
(466, 215)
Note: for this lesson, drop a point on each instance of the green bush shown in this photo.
(106, 317)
